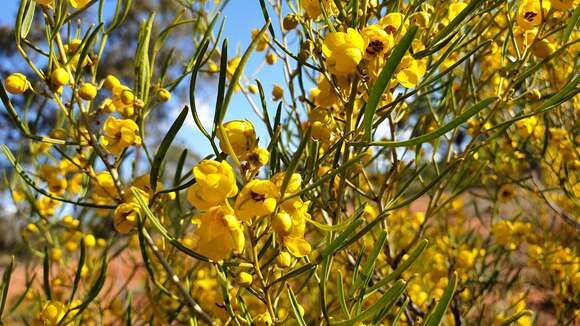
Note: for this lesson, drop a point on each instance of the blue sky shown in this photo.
(242, 16)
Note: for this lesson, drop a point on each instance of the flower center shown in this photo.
(375, 47)
(390, 29)
(257, 197)
(530, 15)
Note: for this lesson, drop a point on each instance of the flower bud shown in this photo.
(16, 83)
(271, 58)
(87, 91)
(253, 89)
(111, 82)
(290, 22)
(59, 77)
(277, 92)
(163, 95)
(244, 279)
(284, 259)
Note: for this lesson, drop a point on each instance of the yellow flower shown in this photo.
(219, 233)
(120, 134)
(59, 77)
(324, 95)
(57, 186)
(125, 216)
(52, 313)
(542, 48)
(127, 213)
(124, 100)
(377, 41)
(564, 4)
(242, 137)
(421, 18)
(294, 185)
(313, 10)
(257, 198)
(215, 181)
(87, 91)
(343, 51)
(530, 13)
(290, 224)
(259, 157)
(46, 206)
(394, 24)
(44, 2)
(410, 71)
(79, 4)
(506, 193)
(105, 185)
(264, 319)
(76, 183)
(16, 83)
(454, 9)
(143, 183)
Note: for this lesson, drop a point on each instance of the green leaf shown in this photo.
(267, 18)
(571, 24)
(97, 286)
(294, 273)
(390, 297)
(328, 176)
(295, 307)
(163, 231)
(27, 19)
(46, 274)
(401, 311)
(363, 231)
(19, 18)
(385, 78)
(192, 83)
(333, 247)
(405, 265)
(164, 147)
(368, 267)
(330, 228)
(434, 319)
(516, 317)
(294, 162)
(5, 285)
(239, 70)
(221, 90)
(80, 266)
(440, 131)
(454, 24)
(86, 45)
(341, 296)
(142, 64)
(119, 17)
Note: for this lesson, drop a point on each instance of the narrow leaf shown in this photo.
(385, 78)
(164, 147)
(434, 319)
